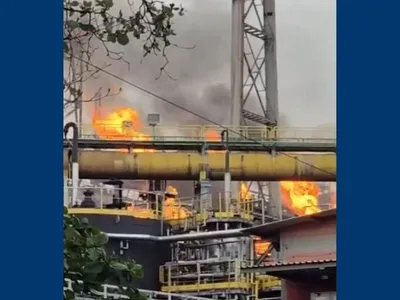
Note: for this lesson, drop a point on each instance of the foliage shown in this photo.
(90, 26)
(87, 264)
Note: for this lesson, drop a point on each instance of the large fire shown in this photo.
(121, 124)
(300, 197)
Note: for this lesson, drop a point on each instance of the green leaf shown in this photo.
(93, 254)
(69, 295)
(136, 33)
(118, 266)
(66, 266)
(108, 3)
(87, 27)
(111, 37)
(87, 4)
(137, 271)
(71, 233)
(94, 267)
(123, 39)
(134, 294)
(74, 3)
(71, 24)
(100, 239)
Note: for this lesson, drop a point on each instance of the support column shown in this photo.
(205, 191)
(271, 82)
(237, 54)
(271, 71)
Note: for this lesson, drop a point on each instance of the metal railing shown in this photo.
(198, 272)
(206, 133)
(111, 292)
(208, 275)
(101, 196)
(180, 213)
(267, 282)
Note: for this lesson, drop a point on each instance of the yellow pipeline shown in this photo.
(187, 166)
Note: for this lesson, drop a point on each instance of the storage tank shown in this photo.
(150, 254)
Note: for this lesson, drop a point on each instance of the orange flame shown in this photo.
(122, 124)
(260, 246)
(245, 194)
(171, 208)
(300, 197)
(212, 136)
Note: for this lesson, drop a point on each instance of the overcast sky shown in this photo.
(306, 45)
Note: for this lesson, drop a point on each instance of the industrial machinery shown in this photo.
(206, 268)
(209, 267)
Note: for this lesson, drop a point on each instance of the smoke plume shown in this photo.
(306, 40)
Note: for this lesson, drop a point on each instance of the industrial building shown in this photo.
(265, 233)
(228, 247)
(306, 260)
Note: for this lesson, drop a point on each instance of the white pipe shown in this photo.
(75, 181)
(227, 183)
(179, 237)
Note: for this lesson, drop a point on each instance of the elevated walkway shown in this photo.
(200, 280)
(210, 133)
(182, 215)
(195, 137)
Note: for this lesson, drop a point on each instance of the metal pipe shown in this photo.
(271, 70)
(237, 54)
(180, 237)
(73, 158)
(227, 174)
(186, 166)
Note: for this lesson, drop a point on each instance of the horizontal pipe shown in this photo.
(179, 237)
(186, 166)
(286, 146)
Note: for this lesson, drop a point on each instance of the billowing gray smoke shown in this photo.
(306, 42)
(306, 61)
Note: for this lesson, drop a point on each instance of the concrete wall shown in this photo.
(310, 241)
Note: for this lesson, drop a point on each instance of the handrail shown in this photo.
(207, 133)
(181, 211)
(105, 293)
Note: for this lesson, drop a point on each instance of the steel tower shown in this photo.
(254, 87)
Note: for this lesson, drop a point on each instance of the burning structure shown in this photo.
(196, 245)
(206, 267)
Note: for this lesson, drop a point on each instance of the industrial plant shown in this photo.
(237, 211)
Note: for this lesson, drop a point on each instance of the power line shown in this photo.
(194, 113)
